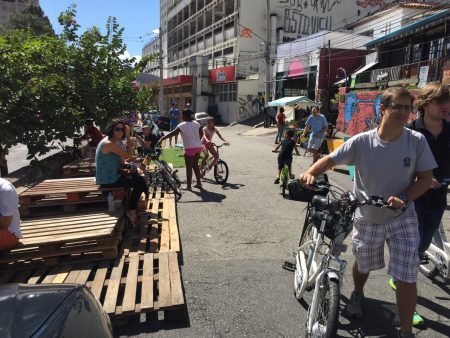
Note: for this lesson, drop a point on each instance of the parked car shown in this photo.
(51, 310)
(202, 118)
(163, 122)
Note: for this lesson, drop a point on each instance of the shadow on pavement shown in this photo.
(228, 186)
(379, 319)
(442, 311)
(206, 196)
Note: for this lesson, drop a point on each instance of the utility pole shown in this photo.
(267, 54)
(161, 74)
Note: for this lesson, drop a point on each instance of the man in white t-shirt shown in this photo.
(9, 216)
(396, 163)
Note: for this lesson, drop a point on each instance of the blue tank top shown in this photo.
(106, 165)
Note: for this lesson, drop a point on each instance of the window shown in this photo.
(417, 53)
(407, 54)
(227, 92)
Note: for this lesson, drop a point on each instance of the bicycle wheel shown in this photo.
(221, 172)
(327, 310)
(171, 182)
(301, 272)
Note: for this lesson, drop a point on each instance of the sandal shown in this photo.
(199, 186)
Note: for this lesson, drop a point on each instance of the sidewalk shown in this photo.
(260, 131)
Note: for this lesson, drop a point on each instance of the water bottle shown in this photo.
(111, 207)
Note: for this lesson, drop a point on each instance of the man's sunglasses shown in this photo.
(119, 129)
(400, 107)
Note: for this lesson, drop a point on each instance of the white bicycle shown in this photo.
(317, 262)
(438, 254)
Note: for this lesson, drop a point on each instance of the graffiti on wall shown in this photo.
(249, 105)
(361, 112)
(305, 17)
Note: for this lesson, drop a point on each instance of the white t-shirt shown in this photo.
(384, 168)
(9, 205)
(190, 134)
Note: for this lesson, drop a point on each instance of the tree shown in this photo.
(51, 84)
(31, 19)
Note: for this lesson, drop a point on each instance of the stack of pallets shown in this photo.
(80, 168)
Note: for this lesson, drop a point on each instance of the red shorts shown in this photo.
(192, 151)
(7, 240)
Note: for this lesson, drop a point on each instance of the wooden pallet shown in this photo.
(130, 285)
(80, 168)
(63, 239)
(157, 229)
(65, 195)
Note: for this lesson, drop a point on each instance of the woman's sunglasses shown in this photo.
(119, 129)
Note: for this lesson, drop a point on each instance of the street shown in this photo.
(234, 240)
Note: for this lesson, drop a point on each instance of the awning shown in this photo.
(292, 101)
(419, 25)
(366, 67)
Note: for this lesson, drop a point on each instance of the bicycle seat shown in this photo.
(319, 202)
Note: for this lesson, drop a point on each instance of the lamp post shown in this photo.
(345, 74)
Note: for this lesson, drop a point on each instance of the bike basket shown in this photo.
(298, 192)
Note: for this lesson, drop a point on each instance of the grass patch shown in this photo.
(174, 156)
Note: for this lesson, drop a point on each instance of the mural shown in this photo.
(361, 112)
(249, 106)
(304, 17)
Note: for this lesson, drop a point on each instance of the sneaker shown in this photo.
(406, 335)
(393, 283)
(354, 307)
(417, 319)
(277, 181)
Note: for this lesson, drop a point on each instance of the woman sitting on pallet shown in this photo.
(111, 159)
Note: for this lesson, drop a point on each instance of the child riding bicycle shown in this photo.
(287, 146)
(208, 133)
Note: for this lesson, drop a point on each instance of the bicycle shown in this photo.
(221, 171)
(163, 172)
(438, 253)
(318, 264)
(284, 178)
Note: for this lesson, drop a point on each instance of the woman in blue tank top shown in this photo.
(110, 155)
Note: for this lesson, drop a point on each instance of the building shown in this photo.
(10, 7)
(152, 48)
(240, 37)
(412, 55)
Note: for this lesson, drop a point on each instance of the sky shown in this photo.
(139, 18)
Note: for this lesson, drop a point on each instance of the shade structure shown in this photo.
(292, 101)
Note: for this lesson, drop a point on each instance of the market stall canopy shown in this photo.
(293, 101)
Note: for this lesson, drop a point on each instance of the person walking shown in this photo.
(396, 163)
(191, 133)
(281, 120)
(318, 125)
(174, 115)
(431, 107)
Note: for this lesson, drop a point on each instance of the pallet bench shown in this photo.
(63, 239)
(80, 168)
(65, 195)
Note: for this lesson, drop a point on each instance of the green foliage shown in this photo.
(31, 19)
(51, 84)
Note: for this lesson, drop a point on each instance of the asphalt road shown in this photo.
(235, 239)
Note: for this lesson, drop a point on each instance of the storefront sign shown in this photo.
(402, 82)
(365, 85)
(222, 75)
(423, 76)
(295, 92)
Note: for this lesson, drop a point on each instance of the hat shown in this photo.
(188, 104)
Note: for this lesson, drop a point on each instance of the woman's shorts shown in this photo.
(192, 151)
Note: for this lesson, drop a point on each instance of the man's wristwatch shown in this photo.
(404, 198)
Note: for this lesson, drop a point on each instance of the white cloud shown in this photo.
(126, 55)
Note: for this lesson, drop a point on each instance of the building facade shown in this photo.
(10, 7)
(152, 48)
(243, 34)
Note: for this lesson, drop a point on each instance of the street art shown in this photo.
(305, 17)
(248, 106)
(360, 113)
